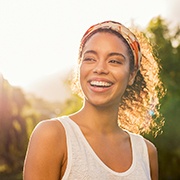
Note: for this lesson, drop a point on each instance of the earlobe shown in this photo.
(131, 81)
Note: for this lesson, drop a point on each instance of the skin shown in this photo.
(104, 59)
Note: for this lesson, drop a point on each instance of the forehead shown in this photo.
(105, 40)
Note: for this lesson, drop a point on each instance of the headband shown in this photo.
(125, 32)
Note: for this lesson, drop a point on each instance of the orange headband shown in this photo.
(125, 32)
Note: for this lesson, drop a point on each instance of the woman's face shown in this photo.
(104, 69)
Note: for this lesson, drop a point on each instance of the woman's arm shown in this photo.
(153, 160)
(45, 153)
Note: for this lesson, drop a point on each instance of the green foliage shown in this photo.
(13, 135)
(19, 113)
(167, 47)
(166, 44)
(71, 105)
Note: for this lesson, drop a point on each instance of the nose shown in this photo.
(101, 68)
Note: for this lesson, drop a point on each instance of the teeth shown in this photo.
(100, 83)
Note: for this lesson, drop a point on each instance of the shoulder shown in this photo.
(47, 137)
(153, 159)
(152, 150)
(152, 154)
(52, 125)
(46, 151)
(50, 133)
(150, 146)
(48, 129)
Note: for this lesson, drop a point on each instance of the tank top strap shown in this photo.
(140, 149)
(83, 163)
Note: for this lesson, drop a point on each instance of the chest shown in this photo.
(96, 157)
(116, 154)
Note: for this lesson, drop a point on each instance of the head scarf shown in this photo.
(121, 29)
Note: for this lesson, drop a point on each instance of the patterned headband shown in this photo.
(125, 32)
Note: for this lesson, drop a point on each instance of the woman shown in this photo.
(119, 87)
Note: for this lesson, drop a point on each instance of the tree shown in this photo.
(166, 43)
(19, 114)
(13, 136)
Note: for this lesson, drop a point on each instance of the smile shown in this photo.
(100, 84)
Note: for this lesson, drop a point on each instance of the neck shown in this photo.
(102, 119)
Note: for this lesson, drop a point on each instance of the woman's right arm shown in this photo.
(45, 153)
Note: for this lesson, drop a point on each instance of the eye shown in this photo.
(114, 61)
(89, 59)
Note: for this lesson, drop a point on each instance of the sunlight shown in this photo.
(35, 43)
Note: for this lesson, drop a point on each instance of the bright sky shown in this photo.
(40, 37)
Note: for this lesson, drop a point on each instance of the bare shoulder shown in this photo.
(151, 147)
(48, 128)
(48, 132)
(46, 151)
(48, 136)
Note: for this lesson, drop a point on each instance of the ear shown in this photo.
(132, 77)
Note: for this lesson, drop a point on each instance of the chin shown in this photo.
(99, 103)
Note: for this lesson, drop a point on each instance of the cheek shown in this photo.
(123, 78)
(82, 74)
(84, 70)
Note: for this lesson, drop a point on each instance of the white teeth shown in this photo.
(100, 83)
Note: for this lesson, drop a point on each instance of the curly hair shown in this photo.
(140, 104)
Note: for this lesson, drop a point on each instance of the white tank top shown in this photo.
(84, 164)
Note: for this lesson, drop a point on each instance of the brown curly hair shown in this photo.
(139, 107)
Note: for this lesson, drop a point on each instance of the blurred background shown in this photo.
(38, 51)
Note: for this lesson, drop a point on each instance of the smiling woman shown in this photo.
(101, 140)
(139, 96)
(106, 56)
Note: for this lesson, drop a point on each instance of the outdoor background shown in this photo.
(38, 52)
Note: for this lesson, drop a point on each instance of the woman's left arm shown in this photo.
(153, 160)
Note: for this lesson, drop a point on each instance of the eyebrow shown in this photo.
(109, 55)
(116, 54)
(90, 51)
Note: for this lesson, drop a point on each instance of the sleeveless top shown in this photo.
(84, 164)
